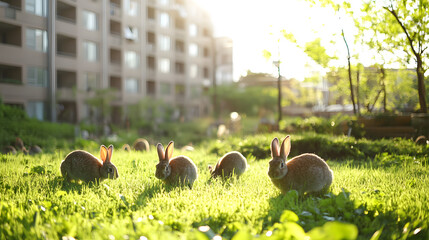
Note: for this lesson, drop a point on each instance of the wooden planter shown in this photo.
(420, 122)
(387, 126)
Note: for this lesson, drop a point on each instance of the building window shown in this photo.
(193, 71)
(36, 109)
(180, 68)
(206, 52)
(151, 13)
(193, 50)
(150, 87)
(151, 63)
(165, 88)
(131, 85)
(91, 51)
(195, 91)
(36, 39)
(132, 59)
(164, 65)
(164, 2)
(193, 30)
(91, 80)
(164, 43)
(164, 20)
(131, 33)
(206, 72)
(37, 7)
(90, 20)
(180, 46)
(180, 90)
(37, 76)
(131, 7)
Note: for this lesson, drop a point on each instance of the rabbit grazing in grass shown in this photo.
(141, 144)
(232, 163)
(82, 165)
(306, 173)
(175, 171)
(126, 148)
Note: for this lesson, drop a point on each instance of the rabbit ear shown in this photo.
(285, 148)
(160, 150)
(169, 150)
(103, 153)
(275, 148)
(109, 153)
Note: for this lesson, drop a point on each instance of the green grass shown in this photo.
(385, 194)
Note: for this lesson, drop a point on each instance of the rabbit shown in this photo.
(9, 150)
(82, 165)
(232, 163)
(141, 144)
(180, 170)
(126, 148)
(35, 150)
(306, 173)
(19, 145)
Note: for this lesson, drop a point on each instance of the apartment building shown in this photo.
(55, 55)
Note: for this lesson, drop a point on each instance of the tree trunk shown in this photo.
(357, 91)
(352, 95)
(279, 103)
(421, 85)
(383, 87)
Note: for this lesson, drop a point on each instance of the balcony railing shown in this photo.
(10, 81)
(66, 54)
(66, 19)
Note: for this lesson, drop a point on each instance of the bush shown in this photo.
(328, 147)
(337, 125)
(49, 136)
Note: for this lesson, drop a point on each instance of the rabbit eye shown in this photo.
(110, 170)
(282, 165)
(166, 168)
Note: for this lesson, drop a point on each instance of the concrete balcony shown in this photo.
(115, 40)
(66, 94)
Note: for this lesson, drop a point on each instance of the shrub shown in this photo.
(328, 147)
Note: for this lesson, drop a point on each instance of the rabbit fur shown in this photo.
(82, 165)
(306, 173)
(232, 163)
(180, 170)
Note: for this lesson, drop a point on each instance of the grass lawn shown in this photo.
(385, 197)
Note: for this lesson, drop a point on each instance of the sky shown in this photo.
(254, 25)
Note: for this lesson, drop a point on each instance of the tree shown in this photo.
(401, 25)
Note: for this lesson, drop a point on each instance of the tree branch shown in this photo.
(393, 12)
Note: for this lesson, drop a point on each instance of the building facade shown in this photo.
(57, 55)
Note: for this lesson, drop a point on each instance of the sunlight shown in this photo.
(249, 24)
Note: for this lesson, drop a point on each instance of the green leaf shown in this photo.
(242, 235)
(334, 231)
(288, 216)
(266, 54)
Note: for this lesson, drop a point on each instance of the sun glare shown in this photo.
(253, 26)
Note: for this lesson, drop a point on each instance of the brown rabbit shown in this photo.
(306, 173)
(232, 163)
(35, 150)
(175, 171)
(141, 144)
(126, 147)
(82, 165)
(9, 150)
(19, 145)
